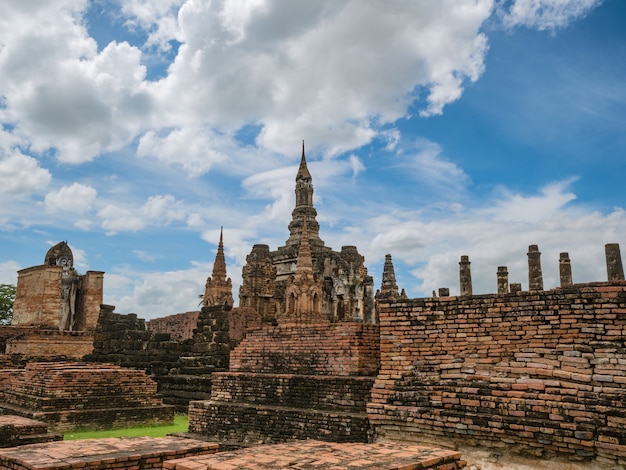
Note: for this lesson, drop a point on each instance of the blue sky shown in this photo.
(135, 129)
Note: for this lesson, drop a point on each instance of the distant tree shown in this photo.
(7, 297)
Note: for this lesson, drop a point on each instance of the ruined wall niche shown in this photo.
(55, 296)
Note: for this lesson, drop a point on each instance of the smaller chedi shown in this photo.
(55, 296)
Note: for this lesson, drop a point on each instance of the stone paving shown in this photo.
(319, 455)
(111, 453)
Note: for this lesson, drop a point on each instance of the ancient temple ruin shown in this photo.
(54, 295)
(347, 291)
(56, 309)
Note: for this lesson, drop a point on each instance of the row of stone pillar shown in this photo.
(614, 267)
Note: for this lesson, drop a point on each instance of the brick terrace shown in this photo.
(325, 455)
(113, 453)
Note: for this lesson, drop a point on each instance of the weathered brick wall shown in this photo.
(46, 345)
(89, 299)
(182, 368)
(37, 297)
(540, 370)
(68, 395)
(289, 382)
(123, 339)
(180, 326)
(236, 425)
(294, 390)
(241, 321)
(334, 349)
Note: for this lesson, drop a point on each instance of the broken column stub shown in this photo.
(614, 267)
(565, 269)
(535, 278)
(444, 292)
(503, 280)
(465, 275)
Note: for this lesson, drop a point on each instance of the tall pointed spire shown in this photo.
(303, 171)
(219, 288)
(304, 207)
(219, 267)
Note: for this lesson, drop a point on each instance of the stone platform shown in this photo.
(325, 455)
(112, 453)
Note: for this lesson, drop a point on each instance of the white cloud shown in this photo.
(144, 256)
(547, 14)
(116, 218)
(496, 236)
(191, 148)
(428, 165)
(21, 175)
(8, 272)
(158, 18)
(59, 91)
(158, 210)
(153, 295)
(303, 86)
(77, 198)
(516, 207)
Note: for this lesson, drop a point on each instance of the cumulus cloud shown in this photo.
(191, 148)
(21, 175)
(158, 210)
(547, 14)
(158, 18)
(305, 86)
(60, 93)
(77, 198)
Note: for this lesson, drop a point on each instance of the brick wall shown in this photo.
(288, 382)
(182, 368)
(180, 326)
(335, 349)
(545, 371)
(70, 395)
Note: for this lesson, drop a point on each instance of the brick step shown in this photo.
(109, 418)
(39, 438)
(262, 424)
(349, 394)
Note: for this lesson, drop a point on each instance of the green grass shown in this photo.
(180, 425)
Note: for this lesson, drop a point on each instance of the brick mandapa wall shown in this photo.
(543, 370)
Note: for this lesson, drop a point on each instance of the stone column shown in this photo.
(535, 278)
(614, 267)
(503, 280)
(466, 275)
(565, 269)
